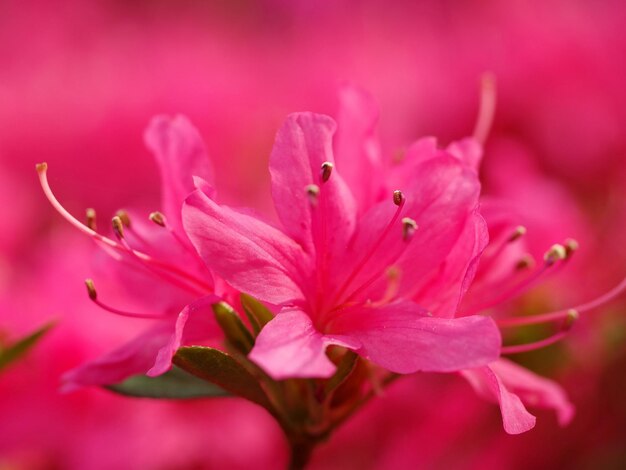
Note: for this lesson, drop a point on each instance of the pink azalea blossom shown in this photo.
(154, 259)
(341, 278)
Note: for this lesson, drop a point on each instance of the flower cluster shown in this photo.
(374, 267)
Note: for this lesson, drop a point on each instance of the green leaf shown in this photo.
(219, 368)
(258, 314)
(16, 350)
(174, 384)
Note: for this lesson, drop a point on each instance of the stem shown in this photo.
(301, 450)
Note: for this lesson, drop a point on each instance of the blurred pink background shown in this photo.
(79, 81)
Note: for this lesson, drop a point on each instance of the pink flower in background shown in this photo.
(156, 263)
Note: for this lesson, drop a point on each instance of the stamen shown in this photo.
(547, 317)
(124, 217)
(570, 319)
(106, 242)
(556, 253)
(394, 275)
(370, 252)
(525, 262)
(490, 257)
(398, 197)
(487, 107)
(327, 169)
(313, 191)
(91, 289)
(118, 227)
(409, 226)
(518, 233)
(93, 295)
(157, 218)
(571, 246)
(91, 218)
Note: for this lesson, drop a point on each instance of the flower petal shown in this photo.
(303, 144)
(534, 390)
(194, 323)
(181, 155)
(249, 254)
(440, 200)
(515, 418)
(402, 338)
(443, 295)
(134, 357)
(290, 346)
(468, 150)
(357, 149)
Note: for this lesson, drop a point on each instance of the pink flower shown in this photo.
(157, 263)
(341, 272)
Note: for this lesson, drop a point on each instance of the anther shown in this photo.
(518, 233)
(41, 167)
(327, 169)
(527, 261)
(570, 318)
(91, 218)
(556, 253)
(124, 217)
(398, 197)
(118, 226)
(313, 192)
(571, 246)
(409, 226)
(91, 289)
(157, 218)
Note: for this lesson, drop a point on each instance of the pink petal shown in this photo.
(290, 346)
(402, 338)
(515, 418)
(442, 196)
(134, 357)
(303, 144)
(180, 154)
(534, 390)
(249, 254)
(194, 323)
(468, 150)
(357, 149)
(443, 295)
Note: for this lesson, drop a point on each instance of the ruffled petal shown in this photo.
(468, 150)
(515, 418)
(324, 225)
(132, 358)
(443, 295)
(535, 390)
(357, 149)
(289, 346)
(247, 253)
(181, 155)
(194, 323)
(440, 200)
(402, 338)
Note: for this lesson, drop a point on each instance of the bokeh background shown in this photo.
(79, 81)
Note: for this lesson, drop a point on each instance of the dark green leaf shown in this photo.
(175, 384)
(221, 369)
(258, 314)
(19, 348)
